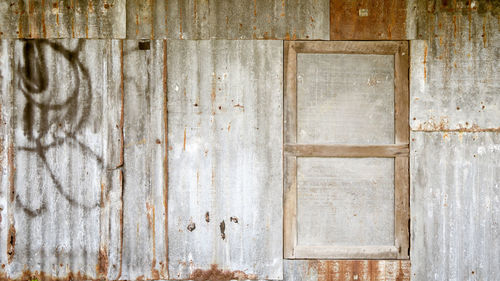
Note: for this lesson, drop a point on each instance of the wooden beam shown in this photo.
(307, 150)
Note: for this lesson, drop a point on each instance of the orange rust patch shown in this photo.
(425, 62)
(184, 145)
(368, 270)
(216, 274)
(42, 276)
(11, 243)
(443, 126)
(102, 263)
(386, 20)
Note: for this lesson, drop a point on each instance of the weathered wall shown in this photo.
(114, 151)
(454, 117)
(225, 167)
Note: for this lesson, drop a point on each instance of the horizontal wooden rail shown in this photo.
(346, 252)
(309, 150)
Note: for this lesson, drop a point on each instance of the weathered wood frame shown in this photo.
(399, 150)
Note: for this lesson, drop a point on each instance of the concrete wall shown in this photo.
(161, 159)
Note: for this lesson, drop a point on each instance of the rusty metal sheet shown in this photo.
(61, 188)
(231, 19)
(368, 20)
(340, 270)
(455, 74)
(455, 205)
(224, 159)
(62, 19)
(144, 164)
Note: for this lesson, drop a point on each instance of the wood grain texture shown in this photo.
(306, 150)
(347, 47)
(402, 206)
(346, 252)
(368, 20)
(401, 97)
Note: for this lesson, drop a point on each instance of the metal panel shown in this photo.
(455, 199)
(229, 19)
(455, 74)
(345, 202)
(61, 194)
(345, 99)
(367, 270)
(225, 166)
(368, 20)
(62, 19)
(144, 163)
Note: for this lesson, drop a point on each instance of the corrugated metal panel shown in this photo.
(60, 189)
(455, 199)
(368, 270)
(229, 19)
(145, 190)
(62, 19)
(368, 20)
(454, 164)
(455, 75)
(225, 163)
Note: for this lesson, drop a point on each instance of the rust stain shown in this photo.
(184, 145)
(154, 272)
(11, 243)
(165, 159)
(216, 274)
(484, 33)
(44, 30)
(102, 263)
(432, 125)
(239, 106)
(136, 24)
(196, 12)
(42, 276)
(149, 212)
(12, 171)
(207, 216)
(425, 62)
(385, 20)
(73, 27)
(367, 270)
